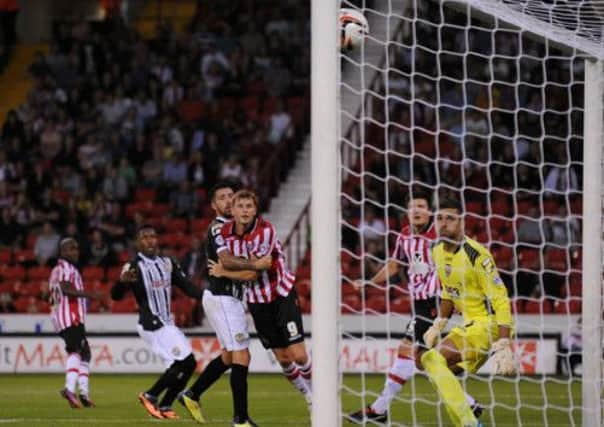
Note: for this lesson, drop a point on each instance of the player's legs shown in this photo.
(436, 363)
(72, 339)
(170, 344)
(84, 374)
(228, 319)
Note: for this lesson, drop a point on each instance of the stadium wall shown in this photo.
(28, 344)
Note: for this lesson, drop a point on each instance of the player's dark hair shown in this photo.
(450, 203)
(144, 227)
(419, 193)
(233, 185)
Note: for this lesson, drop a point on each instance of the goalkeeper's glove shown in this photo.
(503, 358)
(432, 335)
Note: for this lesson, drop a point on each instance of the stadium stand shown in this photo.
(119, 130)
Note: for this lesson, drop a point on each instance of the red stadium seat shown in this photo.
(28, 289)
(127, 305)
(303, 272)
(303, 287)
(113, 274)
(39, 273)
(13, 273)
(6, 256)
(24, 255)
(305, 305)
(175, 225)
(123, 257)
(144, 194)
(199, 226)
(43, 306)
(400, 305)
(376, 303)
(351, 304)
(556, 259)
(538, 307)
(529, 259)
(160, 210)
(91, 273)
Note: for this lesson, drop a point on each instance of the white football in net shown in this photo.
(353, 27)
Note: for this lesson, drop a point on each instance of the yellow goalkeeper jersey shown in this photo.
(470, 279)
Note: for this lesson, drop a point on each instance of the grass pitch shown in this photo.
(27, 400)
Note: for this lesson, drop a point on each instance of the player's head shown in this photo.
(147, 240)
(418, 208)
(245, 207)
(69, 249)
(449, 221)
(221, 197)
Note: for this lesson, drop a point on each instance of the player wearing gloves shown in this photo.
(471, 284)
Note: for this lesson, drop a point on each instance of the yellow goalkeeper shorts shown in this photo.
(474, 341)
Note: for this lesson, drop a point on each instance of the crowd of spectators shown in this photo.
(114, 119)
(488, 115)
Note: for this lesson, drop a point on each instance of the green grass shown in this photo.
(27, 400)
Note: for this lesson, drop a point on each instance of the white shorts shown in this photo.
(167, 342)
(227, 317)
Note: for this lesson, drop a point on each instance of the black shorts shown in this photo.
(278, 323)
(75, 339)
(424, 313)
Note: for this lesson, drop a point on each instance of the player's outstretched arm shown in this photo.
(180, 280)
(68, 289)
(432, 335)
(391, 268)
(128, 276)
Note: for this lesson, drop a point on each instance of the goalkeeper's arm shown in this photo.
(432, 335)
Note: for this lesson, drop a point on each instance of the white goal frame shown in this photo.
(325, 215)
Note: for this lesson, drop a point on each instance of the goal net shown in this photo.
(498, 103)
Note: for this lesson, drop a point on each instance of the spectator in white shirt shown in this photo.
(280, 124)
(47, 244)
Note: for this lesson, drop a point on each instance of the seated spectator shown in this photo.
(47, 244)
(175, 171)
(192, 262)
(280, 124)
(7, 304)
(115, 186)
(563, 229)
(529, 230)
(100, 254)
(11, 233)
(184, 202)
(113, 227)
(561, 180)
(371, 227)
(231, 168)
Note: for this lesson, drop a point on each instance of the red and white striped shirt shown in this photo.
(414, 250)
(260, 240)
(66, 311)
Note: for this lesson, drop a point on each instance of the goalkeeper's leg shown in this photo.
(435, 363)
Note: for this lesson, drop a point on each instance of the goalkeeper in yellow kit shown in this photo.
(471, 284)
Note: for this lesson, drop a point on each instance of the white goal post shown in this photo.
(572, 25)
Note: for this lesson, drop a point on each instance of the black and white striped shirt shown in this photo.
(153, 289)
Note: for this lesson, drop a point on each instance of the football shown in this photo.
(353, 27)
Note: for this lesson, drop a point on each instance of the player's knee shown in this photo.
(188, 364)
(241, 357)
(405, 349)
(84, 352)
(227, 358)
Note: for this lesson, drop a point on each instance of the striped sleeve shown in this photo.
(268, 239)
(398, 252)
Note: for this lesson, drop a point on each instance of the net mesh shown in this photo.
(445, 97)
